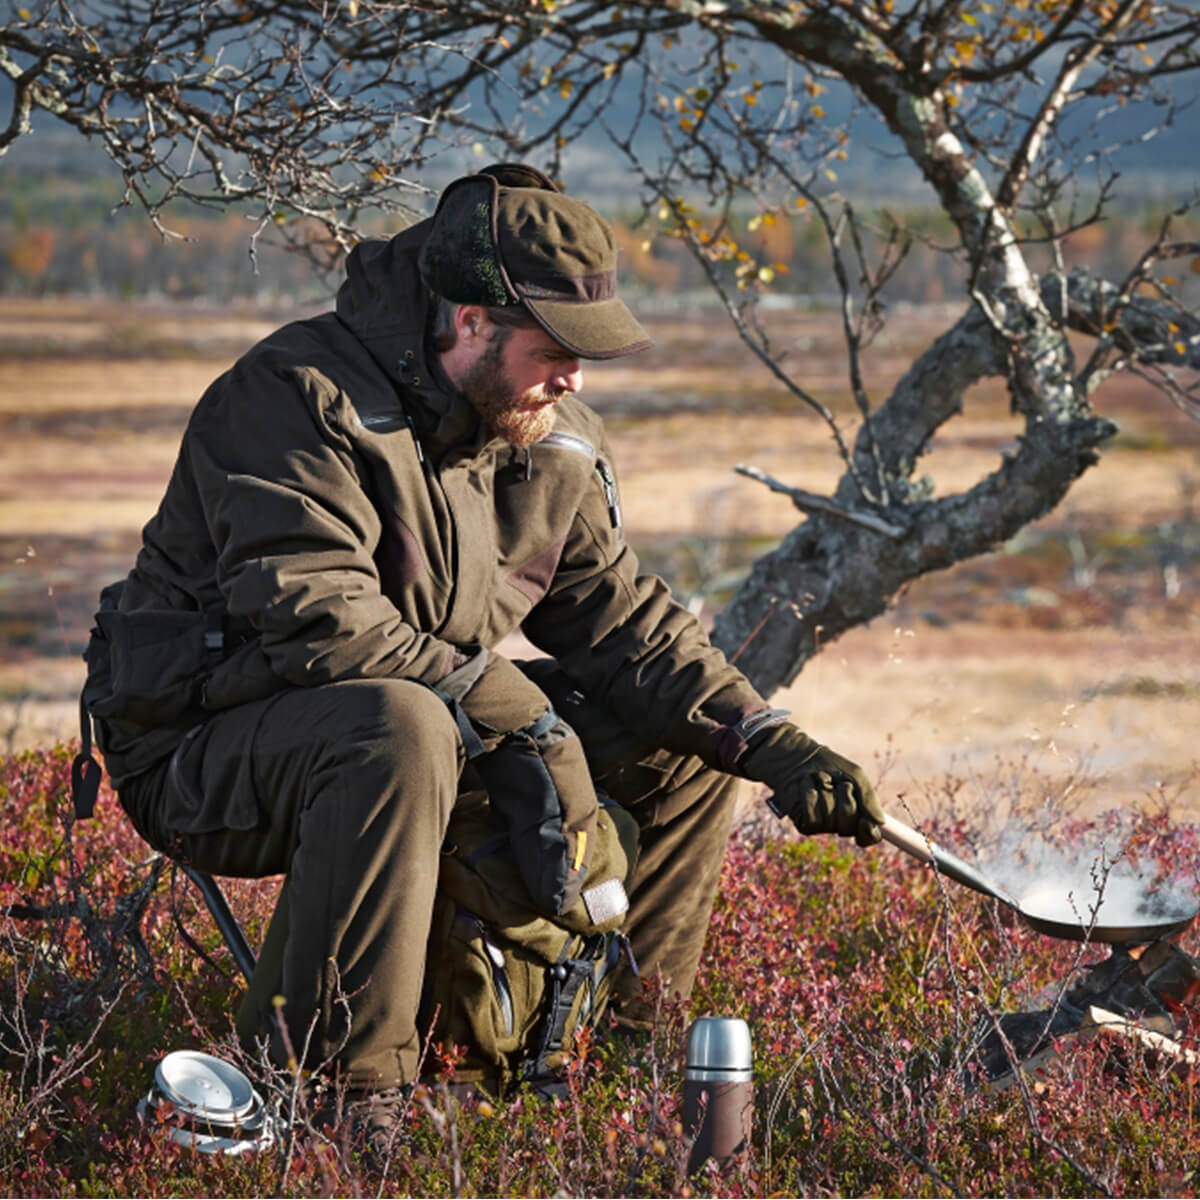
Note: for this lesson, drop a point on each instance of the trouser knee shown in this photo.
(255, 771)
(385, 722)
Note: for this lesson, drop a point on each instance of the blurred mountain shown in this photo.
(63, 226)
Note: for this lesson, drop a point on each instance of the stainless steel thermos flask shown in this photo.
(718, 1089)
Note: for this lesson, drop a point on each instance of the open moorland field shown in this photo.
(1056, 677)
(1064, 665)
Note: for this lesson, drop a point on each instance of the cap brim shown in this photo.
(591, 328)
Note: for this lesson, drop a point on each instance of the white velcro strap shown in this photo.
(605, 901)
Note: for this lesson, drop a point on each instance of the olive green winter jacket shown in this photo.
(337, 512)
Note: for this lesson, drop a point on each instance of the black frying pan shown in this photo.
(1147, 922)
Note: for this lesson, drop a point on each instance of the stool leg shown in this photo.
(231, 931)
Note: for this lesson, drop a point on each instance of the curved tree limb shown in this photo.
(1147, 330)
(841, 576)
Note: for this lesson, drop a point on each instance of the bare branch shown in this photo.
(810, 502)
(1148, 331)
(1076, 61)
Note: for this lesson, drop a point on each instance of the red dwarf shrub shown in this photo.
(867, 981)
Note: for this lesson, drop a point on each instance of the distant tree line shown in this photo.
(56, 242)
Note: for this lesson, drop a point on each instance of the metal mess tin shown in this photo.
(207, 1104)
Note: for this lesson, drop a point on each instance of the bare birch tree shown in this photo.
(323, 113)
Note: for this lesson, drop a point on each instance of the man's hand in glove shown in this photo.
(534, 768)
(821, 791)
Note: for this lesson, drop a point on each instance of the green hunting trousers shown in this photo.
(347, 790)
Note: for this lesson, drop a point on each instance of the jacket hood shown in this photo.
(382, 298)
(386, 306)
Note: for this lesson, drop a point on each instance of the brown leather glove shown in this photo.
(820, 791)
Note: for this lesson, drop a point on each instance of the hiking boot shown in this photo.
(369, 1122)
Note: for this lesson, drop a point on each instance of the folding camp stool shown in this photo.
(85, 786)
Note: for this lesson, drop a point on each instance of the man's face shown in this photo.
(516, 379)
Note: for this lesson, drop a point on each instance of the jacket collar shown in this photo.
(384, 304)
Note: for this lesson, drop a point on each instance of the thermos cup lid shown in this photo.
(718, 1046)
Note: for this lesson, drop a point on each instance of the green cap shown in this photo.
(508, 236)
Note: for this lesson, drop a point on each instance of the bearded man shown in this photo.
(302, 665)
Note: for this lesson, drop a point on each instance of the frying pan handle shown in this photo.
(906, 838)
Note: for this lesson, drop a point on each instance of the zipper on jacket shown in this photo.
(609, 484)
(499, 977)
(416, 440)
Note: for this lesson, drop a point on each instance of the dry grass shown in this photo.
(1014, 657)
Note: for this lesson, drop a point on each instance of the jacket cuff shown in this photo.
(734, 740)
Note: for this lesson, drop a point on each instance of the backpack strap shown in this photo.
(567, 976)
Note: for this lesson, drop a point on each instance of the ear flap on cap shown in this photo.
(520, 175)
(459, 259)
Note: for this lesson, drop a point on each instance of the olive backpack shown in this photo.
(507, 987)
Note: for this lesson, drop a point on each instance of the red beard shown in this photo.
(520, 418)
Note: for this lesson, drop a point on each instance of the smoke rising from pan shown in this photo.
(1091, 884)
